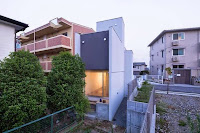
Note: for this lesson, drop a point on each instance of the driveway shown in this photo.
(178, 88)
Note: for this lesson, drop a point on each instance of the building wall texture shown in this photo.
(116, 72)
(7, 40)
(128, 69)
(116, 23)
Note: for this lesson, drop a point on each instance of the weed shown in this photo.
(182, 123)
(144, 93)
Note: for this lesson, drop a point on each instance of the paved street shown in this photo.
(178, 88)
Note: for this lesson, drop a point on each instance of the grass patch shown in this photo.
(182, 123)
(144, 93)
(161, 108)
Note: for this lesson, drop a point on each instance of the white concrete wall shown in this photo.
(128, 69)
(116, 72)
(116, 23)
(77, 44)
(7, 40)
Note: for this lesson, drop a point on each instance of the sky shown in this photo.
(144, 19)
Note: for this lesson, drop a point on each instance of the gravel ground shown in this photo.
(175, 109)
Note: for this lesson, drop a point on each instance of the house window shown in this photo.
(178, 51)
(65, 34)
(178, 36)
(133, 66)
(178, 66)
(138, 67)
(162, 52)
(162, 39)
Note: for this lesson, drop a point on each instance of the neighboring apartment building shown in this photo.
(108, 66)
(49, 39)
(8, 30)
(138, 67)
(178, 49)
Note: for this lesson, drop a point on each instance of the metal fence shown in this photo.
(146, 125)
(63, 120)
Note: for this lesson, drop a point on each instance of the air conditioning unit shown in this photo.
(174, 58)
(175, 43)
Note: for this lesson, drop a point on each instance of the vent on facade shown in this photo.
(174, 58)
(175, 43)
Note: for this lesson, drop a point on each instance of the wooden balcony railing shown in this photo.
(59, 41)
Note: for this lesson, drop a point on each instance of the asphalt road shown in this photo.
(179, 88)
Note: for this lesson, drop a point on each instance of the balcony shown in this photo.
(57, 42)
(46, 65)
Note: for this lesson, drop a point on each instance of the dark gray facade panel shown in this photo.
(95, 50)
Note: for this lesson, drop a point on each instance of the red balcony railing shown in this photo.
(59, 41)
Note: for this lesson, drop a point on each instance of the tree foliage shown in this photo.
(66, 83)
(22, 90)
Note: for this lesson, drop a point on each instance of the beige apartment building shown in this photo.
(178, 49)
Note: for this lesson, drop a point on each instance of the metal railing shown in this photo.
(64, 119)
(146, 125)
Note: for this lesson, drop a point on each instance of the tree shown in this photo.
(22, 90)
(66, 82)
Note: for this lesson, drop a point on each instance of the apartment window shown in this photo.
(178, 66)
(178, 51)
(162, 53)
(178, 36)
(138, 67)
(152, 68)
(162, 39)
(65, 34)
(162, 68)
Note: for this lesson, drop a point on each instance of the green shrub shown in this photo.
(22, 90)
(66, 83)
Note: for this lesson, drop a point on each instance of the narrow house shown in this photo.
(105, 58)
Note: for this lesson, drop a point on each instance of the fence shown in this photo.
(65, 119)
(146, 125)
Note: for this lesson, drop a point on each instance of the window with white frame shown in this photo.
(178, 51)
(178, 36)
